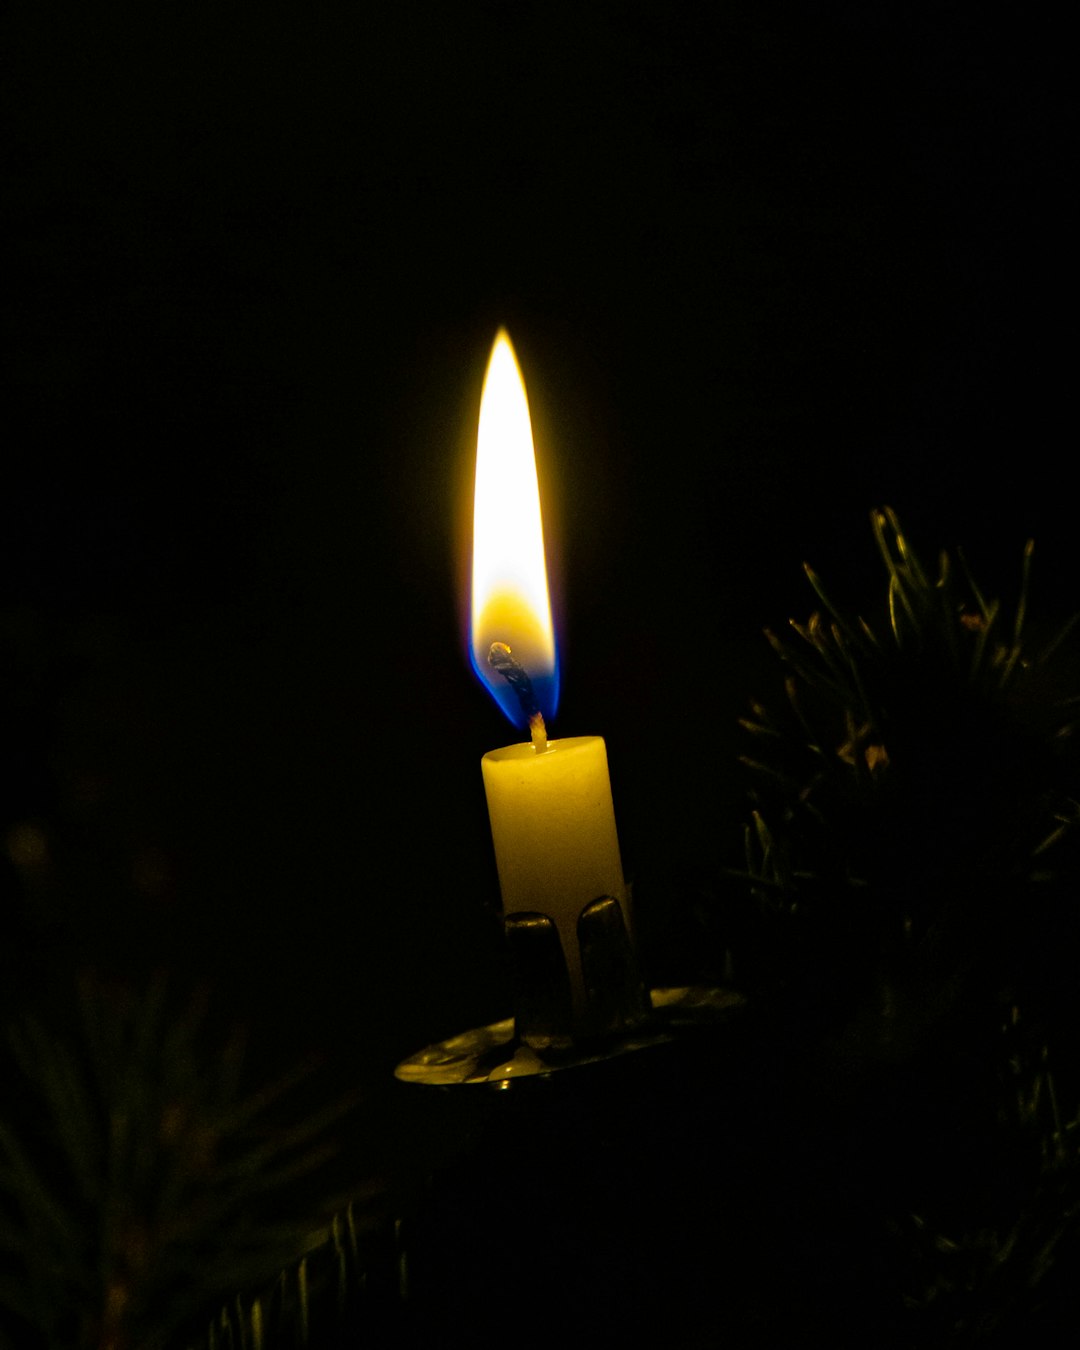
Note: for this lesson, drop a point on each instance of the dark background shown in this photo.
(766, 268)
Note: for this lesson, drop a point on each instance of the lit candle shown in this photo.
(549, 801)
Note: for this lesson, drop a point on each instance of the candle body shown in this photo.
(553, 827)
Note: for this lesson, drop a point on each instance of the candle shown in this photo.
(549, 801)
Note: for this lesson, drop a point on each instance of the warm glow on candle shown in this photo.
(510, 600)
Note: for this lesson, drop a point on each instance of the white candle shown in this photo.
(553, 826)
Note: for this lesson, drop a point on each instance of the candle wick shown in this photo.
(500, 659)
(539, 733)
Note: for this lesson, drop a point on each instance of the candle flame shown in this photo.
(510, 600)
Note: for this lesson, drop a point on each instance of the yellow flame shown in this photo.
(510, 600)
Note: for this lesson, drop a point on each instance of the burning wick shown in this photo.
(499, 659)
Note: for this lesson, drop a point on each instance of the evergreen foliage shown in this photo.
(141, 1182)
(913, 868)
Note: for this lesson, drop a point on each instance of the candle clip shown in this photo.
(543, 1001)
(616, 1000)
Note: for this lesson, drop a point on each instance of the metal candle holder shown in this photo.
(551, 1030)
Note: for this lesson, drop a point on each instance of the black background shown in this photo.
(766, 268)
